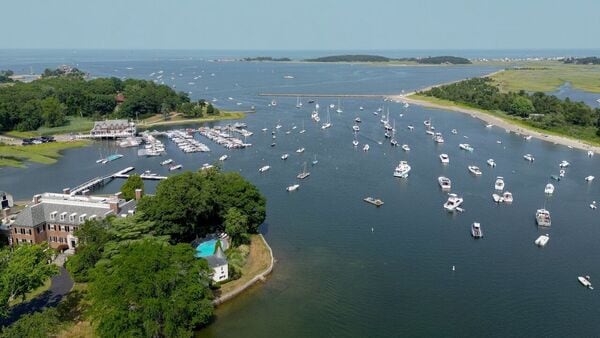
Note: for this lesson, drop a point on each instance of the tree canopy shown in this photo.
(132, 183)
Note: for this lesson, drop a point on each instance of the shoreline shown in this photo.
(223, 116)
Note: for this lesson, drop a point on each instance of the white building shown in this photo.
(218, 264)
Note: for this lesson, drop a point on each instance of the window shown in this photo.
(53, 215)
(16, 231)
(50, 226)
(29, 231)
(66, 228)
(82, 218)
(72, 217)
(62, 216)
(75, 229)
(93, 217)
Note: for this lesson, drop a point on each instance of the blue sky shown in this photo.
(300, 24)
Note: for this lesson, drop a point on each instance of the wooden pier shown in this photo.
(94, 183)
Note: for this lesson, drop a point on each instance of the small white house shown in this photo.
(218, 264)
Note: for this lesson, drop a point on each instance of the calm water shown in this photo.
(335, 276)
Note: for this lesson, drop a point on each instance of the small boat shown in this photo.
(273, 144)
(438, 138)
(293, 187)
(429, 132)
(499, 185)
(476, 230)
(366, 147)
(402, 169)
(465, 146)
(497, 198)
(453, 202)
(355, 143)
(284, 156)
(355, 128)
(508, 197)
(529, 157)
(405, 147)
(444, 158)
(444, 183)
(361, 108)
(304, 174)
(357, 120)
(593, 205)
(175, 167)
(223, 158)
(542, 218)
(528, 137)
(475, 170)
(555, 177)
(542, 240)
(264, 168)
(561, 173)
(264, 130)
(585, 281)
(410, 127)
(165, 162)
(375, 201)
(549, 189)
(589, 178)
(273, 103)
(454, 131)
(564, 164)
(590, 153)
(491, 162)
(278, 126)
(387, 135)
(300, 150)
(489, 125)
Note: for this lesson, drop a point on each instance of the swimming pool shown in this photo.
(206, 249)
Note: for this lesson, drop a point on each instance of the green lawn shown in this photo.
(75, 125)
(32, 294)
(46, 153)
(157, 120)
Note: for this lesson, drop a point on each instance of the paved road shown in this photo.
(61, 285)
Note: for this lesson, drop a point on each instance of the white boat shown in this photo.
(355, 143)
(278, 126)
(529, 157)
(453, 202)
(273, 103)
(593, 205)
(508, 197)
(361, 108)
(165, 162)
(366, 147)
(489, 125)
(564, 164)
(438, 138)
(264, 130)
(465, 146)
(284, 156)
(444, 158)
(298, 103)
(585, 281)
(549, 189)
(542, 218)
(264, 168)
(339, 109)
(497, 198)
(402, 169)
(410, 127)
(499, 185)
(589, 178)
(476, 230)
(528, 137)
(355, 128)
(375, 201)
(444, 183)
(491, 162)
(542, 240)
(293, 187)
(175, 167)
(561, 173)
(300, 150)
(328, 123)
(454, 131)
(405, 147)
(590, 153)
(304, 174)
(315, 161)
(223, 158)
(357, 120)
(474, 170)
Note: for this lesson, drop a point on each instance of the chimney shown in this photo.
(66, 191)
(114, 205)
(138, 194)
(118, 195)
(37, 198)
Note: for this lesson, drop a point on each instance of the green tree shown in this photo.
(53, 112)
(236, 226)
(132, 183)
(22, 270)
(151, 289)
(92, 235)
(210, 110)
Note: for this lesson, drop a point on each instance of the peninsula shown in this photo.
(436, 60)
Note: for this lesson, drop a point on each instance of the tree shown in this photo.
(151, 289)
(210, 110)
(53, 112)
(22, 270)
(165, 110)
(92, 235)
(132, 183)
(236, 226)
(38, 324)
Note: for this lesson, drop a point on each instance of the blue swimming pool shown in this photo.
(206, 249)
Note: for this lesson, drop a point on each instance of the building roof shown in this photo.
(108, 124)
(218, 259)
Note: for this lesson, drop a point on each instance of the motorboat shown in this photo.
(542, 218)
(293, 187)
(366, 147)
(402, 169)
(361, 108)
(405, 147)
(375, 201)
(465, 146)
(497, 198)
(453, 202)
(562, 173)
(454, 131)
(489, 125)
(444, 158)
(438, 138)
(223, 158)
(264, 130)
(445, 183)
(475, 170)
(357, 120)
(165, 162)
(264, 168)
(564, 164)
(175, 167)
(355, 128)
(549, 189)
(590, 153)
(542, 240)
(555, 177)
(499, 185)
(410, 127)
(476, 230)
(589, 178)
(429, 132)
(393, 142)
(284, 156)
(529, 157)
(300, 150)
(528, 137)
(508, 197)
(593, 205)
(586, 281)
(491, 162)
(355, 143)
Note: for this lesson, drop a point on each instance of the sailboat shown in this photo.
(298, 102)
(339, 108)
(393, 141)
(304, 174)
(355, 141)
(302, 131)
(328, 123)
(315, 161)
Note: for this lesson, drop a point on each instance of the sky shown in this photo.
(300, 24)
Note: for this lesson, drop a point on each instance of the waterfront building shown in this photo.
(113, 129)
(218, 264)
(6, 200)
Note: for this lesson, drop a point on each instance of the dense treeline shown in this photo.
(5, 76)
(544, 111)
(377, 58)
(437, 60)
(591, 60)
(266, 58)
(48, 101)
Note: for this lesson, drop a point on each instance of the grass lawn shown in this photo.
(157, 120)
(75, 125)
(32, 294)
(45, 153)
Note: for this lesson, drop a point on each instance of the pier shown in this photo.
(94, 183)
(361, 96)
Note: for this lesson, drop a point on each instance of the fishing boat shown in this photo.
(508, 197)
(542, 218)
(529, 157)
(375, 201)
(453, 202)
(586, 281)
(304, 174)
(444, 158)
(499, 185)
(264, 168)
(542, 240)
(402, 169)
(165, 162)
(465, 146)
(284, 156)
(293, 187)
(476, 230)
(366, 147)
(300, 150)
(444, 183)
(175, 167)
(475, 170)
(405, 147)
(549, 189)
(589, 178)
(491, 162)
(223, 158)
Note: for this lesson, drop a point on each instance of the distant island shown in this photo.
(266, 59)
(591, 60)
(435, 60)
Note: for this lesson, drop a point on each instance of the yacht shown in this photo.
(165, 162)
(444, 158)
(564, 164)
(300, 150)
(284, 156)
(175, 167)
(293, 187)
(585, 281)
(445, 183)
(375, 201)
(264, 168)
(542, 240)
(475, 170)
(366, 147)
(508, 197)
(402, 169)
(529, 157)
(304, 174)
(491, 162)
(476, 230)
(549, 189)
(405, 147)
(223, 158)
(542, 218)
(589, 178)
(499, 185)
(465, 146)
(453, 202)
